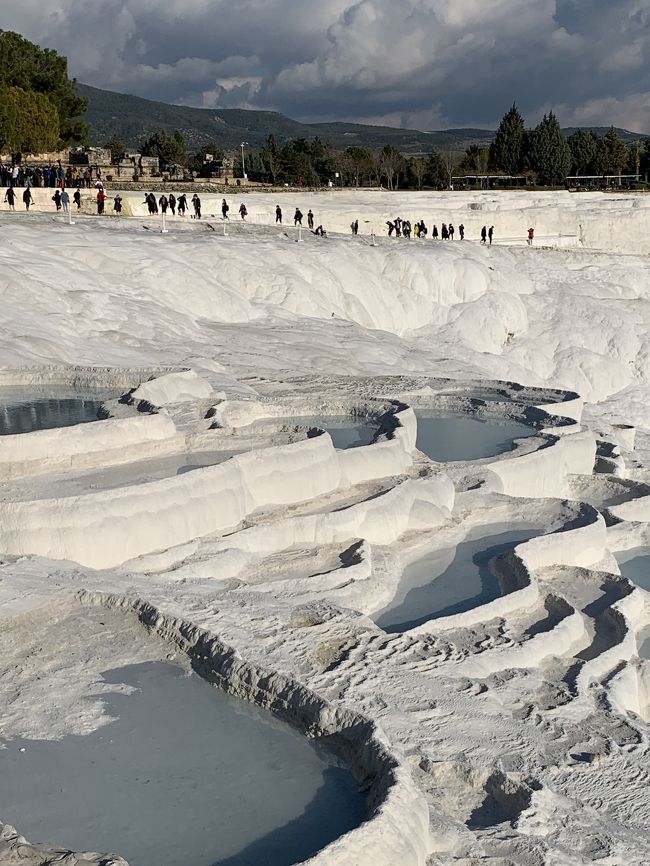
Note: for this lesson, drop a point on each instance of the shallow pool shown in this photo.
(635, 565)
(30, 409)
(643, 642)
(346, 432)
(450, 580)
(448, 437)
(186, 775)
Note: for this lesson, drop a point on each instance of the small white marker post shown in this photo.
(299, 235)
(372, 239)
(70, 220)
(225, 233)
(163, 230)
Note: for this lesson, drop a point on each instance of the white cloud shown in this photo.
(414, 62)
(629, 112)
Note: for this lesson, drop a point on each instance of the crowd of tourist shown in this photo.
(404, 228)
(53, 175)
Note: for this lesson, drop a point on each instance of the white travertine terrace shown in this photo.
(512, 732)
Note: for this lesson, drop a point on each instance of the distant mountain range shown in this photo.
(134, 119)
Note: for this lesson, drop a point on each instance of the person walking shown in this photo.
(182, 204)
(490, 234)
(531, 236)
(243, 213)
(225, 207)
(77, 198)
(391, 228)
(117, 204)
(172, 203)
(297, 218)
(56, 198)
(10, 198)
(278, 214)
(310, 219)
(163, 201)
(483, 234)
(196, 201)
(101, 198)
(461, 231)
(152, 204)
(434, 233)
(444, 232)
(28, 198)
(355, 227)
(451, 231)
(65, 200)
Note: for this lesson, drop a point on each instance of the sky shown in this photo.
(426, 64)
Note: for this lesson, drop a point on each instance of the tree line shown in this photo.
(548, 156)
(543, 155)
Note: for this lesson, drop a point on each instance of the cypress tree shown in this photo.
(616, 152)
(583, 146)
(550, 154)
(506, 153)
(436, 172)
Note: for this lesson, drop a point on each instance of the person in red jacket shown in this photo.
(101, 198)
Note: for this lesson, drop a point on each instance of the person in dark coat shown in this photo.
(182, 204)
(56, 198)
(76, 198)
(461, 231)
(297, 218)
(28, 198)
(163, 201)
(444, 233)
(152, 204)
(196, 201)
(10, 198)
(491, 234)
(278, 214)
(225, 207)
(434, 233)
(172, 203)
(483, 234)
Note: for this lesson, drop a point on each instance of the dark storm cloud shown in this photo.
(424, 63)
